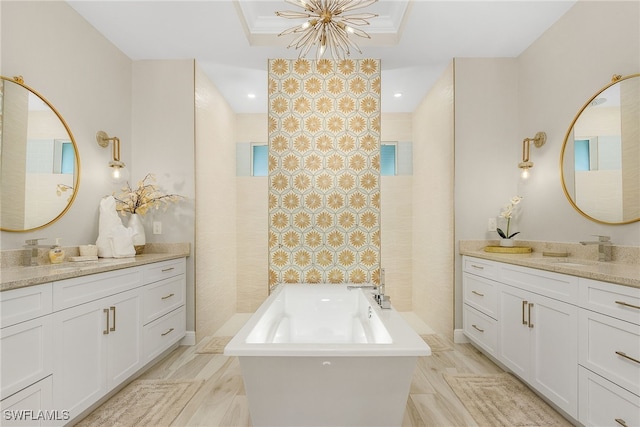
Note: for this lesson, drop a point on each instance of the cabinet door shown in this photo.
(554, 346)
(25, 354)
(79, 358)
(513, 327)
(23, 408)
(124, 341)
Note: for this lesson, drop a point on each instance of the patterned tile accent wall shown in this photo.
(324, 171)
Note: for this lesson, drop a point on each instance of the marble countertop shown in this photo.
(613, 272)
(19, 277)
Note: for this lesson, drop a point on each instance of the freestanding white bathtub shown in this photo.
(324, 355)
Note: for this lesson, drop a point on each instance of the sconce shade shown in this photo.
(526, 164)
(118, 173)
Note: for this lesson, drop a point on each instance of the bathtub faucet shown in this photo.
(383, 300)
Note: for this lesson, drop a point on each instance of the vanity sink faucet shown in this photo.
(604, 247)
(31, 254)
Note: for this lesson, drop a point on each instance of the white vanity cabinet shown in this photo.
(100, 328)
(66, 344)
(25, 347)
(480, 297)
(609, 342)
(163, 312)
(538, 342)
(97, 343)
(530, 324)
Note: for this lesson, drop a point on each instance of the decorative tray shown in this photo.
(508, 250)
(83, 258)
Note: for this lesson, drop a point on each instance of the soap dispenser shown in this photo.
(56, 254)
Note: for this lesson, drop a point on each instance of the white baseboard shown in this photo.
(189, 338)
(459, 337)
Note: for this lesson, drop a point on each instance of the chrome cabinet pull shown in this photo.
(479, 267)
(477, 293)
(164, 270)
(166, 333)
(530, 322)
(623, 354)
(475, 327)
(106, 330)
(167, 296)
(621, 422)
(626, 304)
(524, 304)
(113, 310)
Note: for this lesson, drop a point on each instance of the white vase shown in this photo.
(506, 243)
(139, 239)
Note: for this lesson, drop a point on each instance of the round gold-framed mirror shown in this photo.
(600, 157)
(39, 159)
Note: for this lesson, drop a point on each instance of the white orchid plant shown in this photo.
(508, 212)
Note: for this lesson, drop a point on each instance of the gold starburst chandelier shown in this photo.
(327, 26)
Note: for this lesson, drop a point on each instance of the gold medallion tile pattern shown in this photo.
(324, 171)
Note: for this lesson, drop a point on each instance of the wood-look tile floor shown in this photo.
(221, 401)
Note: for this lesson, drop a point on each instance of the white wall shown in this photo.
(216, 208)
(433, 204)
(252, 226)
(163, 143)
(557, 74)
(89, 82)
(396, 218)
(487, 146)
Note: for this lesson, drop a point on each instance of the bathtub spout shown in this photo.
(350, 287)
(383, 300)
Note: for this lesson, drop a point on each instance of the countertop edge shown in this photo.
(38, 275)
(591, 271)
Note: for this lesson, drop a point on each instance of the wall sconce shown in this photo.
(526, 164)
(118, 172)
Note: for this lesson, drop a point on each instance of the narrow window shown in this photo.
(259, 160)
(581, 147)
(388, 159)
(68, 161)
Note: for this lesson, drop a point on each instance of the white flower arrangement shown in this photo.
(508, 212)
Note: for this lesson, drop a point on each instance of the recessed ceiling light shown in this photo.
(397, 95)
(251, 96)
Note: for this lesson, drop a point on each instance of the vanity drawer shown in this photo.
(553, 285)
(603, 403)
(18, 305)
(481, 294)
(164, 269)
(481, 329)
(480, 267)
(162, 297)
(622, 302)
(610, 348)
(25, 351)
(161, 334)
(71, 292)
